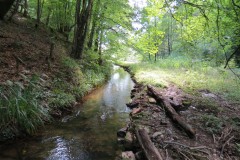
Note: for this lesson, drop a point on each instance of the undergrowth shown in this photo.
(191, 76)
(77, 79)
(26, 106)
(21, 110)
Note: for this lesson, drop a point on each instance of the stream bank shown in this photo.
(154, 131)
(88, 133)
(39, 81)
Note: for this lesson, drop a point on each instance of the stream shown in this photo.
(89, 133)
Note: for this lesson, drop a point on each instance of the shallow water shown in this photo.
(87, 134)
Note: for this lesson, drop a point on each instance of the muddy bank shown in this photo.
(157, 132)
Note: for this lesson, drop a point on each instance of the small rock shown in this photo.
(156, 134)
(44, 76)
(25, 72)
(129, 137)
(128, 155)
(208, 95)
(136, 110)
(122, 132)
(128, 143)
(152, 100)
(140, 155)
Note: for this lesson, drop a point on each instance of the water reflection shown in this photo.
(87, 134)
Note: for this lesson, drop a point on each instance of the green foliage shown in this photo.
(60, 99)
(197, 30)
(75, 80)
(21, 108)
(69, 62)
(212, 124)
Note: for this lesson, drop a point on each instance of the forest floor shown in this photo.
(214, 119)
(25, 50)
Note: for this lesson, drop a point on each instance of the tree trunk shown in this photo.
(5, 5)
(76, 30)
(94, 25)
(48, 16)
(81, 28)
(25, 12)
(38, 13)
(100, 48)
(148, 147)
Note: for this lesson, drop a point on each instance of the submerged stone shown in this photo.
(128, 155)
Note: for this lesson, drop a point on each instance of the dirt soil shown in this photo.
(25, 50)
(216, 122)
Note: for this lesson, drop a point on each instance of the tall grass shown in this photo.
(189, 75)
(21, 109)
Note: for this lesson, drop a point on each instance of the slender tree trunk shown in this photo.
(48, 16)
(76, 29)
(100, 61)
(149, 56)
(94, 25)
(38, 13)
(25, 11)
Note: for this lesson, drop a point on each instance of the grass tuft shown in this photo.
(21, 108)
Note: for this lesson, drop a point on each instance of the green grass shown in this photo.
(21, 109)
(188, 75)
(85, 76)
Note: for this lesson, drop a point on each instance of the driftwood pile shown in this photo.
(137, 140)
(165, 103)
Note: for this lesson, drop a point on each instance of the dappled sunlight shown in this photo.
(218, 80)
(154, 77)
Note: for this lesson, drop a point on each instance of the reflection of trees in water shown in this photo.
(117, 92)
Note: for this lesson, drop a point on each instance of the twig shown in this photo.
(180, 144)
(166, 154)
(194, 154)
(225, 145)
(231, 56)
(184, 155)
(226, 132)
(233, 2)
(214, 139)
(197, 148)
(177, 143)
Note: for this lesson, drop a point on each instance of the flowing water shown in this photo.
(87, 134)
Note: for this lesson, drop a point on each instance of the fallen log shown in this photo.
(148, 147)
(172, 113)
